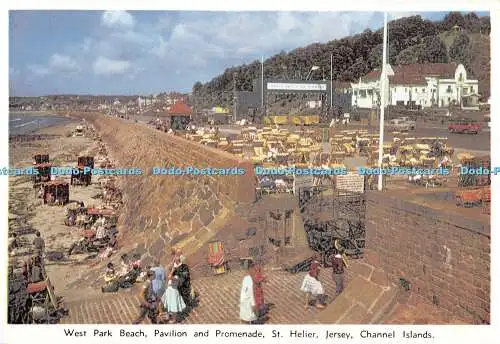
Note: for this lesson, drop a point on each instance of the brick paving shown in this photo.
(368, 298)
(219, 301)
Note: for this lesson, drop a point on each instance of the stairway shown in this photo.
(368, 299)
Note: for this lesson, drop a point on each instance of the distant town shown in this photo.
(115, 105)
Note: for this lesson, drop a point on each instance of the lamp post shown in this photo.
(313, 68)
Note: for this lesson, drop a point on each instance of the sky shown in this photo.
(148, 52)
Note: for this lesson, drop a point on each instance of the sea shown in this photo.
(25, 123)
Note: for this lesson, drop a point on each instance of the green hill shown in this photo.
(456, 38)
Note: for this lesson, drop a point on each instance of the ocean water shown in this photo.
(20, 123)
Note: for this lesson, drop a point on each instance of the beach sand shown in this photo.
(28, 211)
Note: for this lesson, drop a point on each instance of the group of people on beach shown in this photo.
(253, 309)
(166, 295)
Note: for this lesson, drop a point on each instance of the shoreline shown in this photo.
(26, 211)
(25, 112)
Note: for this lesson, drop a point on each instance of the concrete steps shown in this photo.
(367, 299)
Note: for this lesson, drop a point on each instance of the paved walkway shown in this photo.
(369, 298)
(219, 301)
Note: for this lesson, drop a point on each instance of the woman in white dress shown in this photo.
(172, 301)
(247, 298)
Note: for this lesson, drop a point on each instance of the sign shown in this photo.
(352, 182)
(278, 86)
(302, 182)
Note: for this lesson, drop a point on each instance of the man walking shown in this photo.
(148, 301)
(338, 271)
(39, 244)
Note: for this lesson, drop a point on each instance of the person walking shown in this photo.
(338, 271)
(39, 244)
(148, 304)
(260, 304)
(248, 306)
(172, 301)
(182, 273)
(158, 283)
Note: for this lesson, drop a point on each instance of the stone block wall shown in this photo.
(445, 256)
(162, 211)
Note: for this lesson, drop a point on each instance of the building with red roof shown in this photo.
(418, 86)
(180, 109)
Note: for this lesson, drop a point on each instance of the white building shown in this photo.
(419, 85)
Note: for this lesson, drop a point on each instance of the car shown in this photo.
(402, 124)
(464, 126)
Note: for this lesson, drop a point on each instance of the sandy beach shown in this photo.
(27, 213)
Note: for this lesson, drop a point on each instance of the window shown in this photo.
(423, 90)
(370, 92)
(362, 93)
(461, 77)
(416, 90)
(472, 89)
(406, 90)
(355, 93)
(449, 90)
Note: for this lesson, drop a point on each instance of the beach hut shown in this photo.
(82, 177)
(43, 175)
(56, 192)
(40, 159)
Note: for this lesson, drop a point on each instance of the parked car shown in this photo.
(464, 126)
(402, 124)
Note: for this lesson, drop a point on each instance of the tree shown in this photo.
(197, 87)
(460, 50)
(410, 55)
(485, 25)
(453, 19)
(434, 50)
(472, 22)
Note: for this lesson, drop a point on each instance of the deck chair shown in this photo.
(216, 257)
(41, 295)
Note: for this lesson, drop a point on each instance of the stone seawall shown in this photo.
(443, 255)
(164, 211)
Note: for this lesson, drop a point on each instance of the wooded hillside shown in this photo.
(457, 38)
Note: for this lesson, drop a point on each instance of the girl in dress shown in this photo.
(172, 301)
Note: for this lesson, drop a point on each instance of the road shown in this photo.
(479, 142)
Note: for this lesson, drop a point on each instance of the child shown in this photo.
(110, 280)
(109, 274)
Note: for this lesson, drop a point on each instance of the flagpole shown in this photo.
(382, 103)
(331, 82)
(262, 86)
